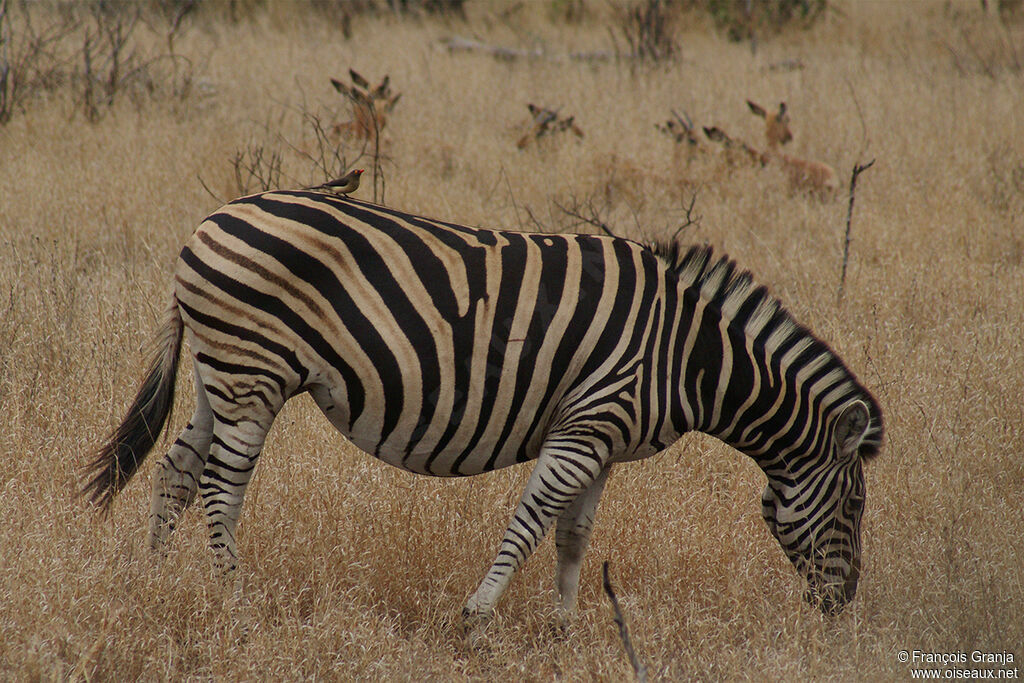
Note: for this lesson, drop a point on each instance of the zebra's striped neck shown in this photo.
(749, 374)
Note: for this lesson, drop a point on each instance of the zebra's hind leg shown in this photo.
(565, 470)
(234, 450)
(177, 475)
(572, 534)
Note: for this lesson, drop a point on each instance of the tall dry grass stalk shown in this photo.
(351, 569)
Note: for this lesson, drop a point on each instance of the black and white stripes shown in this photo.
(450, 351)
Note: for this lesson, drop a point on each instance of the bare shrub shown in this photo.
(746, 19)
(257, 169)
(649, 29)
(29, 61)
(371, 107)
(454, 7)
(92, 52)
(113, 65)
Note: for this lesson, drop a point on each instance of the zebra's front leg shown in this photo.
(563, 472)
(572, 535)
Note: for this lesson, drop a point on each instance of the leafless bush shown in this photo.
(648, 28)
(588, 211)
(454, 7)
(29, 61)
(281, 155)
(107, 65)
(747, 19)
(112, 65)
(174, 12)
(325, 152)
(257, 169)
(985, 49)
(89, 50)
(371, 107)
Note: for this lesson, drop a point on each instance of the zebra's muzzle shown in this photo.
(831, 596)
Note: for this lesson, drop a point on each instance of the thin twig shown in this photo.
(864, 141)
(378, 170)
(690, 219)
(857, 170)
(593, 220)
(208, 190)
(533, 219)
(638, 667)
(511, 196)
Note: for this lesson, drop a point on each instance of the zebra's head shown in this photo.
(815, 511)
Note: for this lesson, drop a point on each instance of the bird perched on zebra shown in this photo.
(346, 184)
(448, 350)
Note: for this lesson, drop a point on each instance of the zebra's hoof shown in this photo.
(474, 628)
(563, 621)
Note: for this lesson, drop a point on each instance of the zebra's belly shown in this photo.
(457, 460)
(445, 446)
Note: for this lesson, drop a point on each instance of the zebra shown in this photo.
(449, 350)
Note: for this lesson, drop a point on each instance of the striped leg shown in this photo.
(235, 447)
(571, 537)
(565, 470)
(177, 475)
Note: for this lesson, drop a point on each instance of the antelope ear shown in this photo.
(382, 90)
(357, 78)
(339, 86)
(757, 109)
(782, 109)
(851, 427)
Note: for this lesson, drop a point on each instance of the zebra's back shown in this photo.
(438, 348)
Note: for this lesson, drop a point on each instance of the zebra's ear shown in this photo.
(851, 427)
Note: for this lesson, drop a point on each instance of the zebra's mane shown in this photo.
(750, 307)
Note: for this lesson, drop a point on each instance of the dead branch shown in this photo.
(690, 219)
(647, 28)
(257, 165)
(370, 109)
(208, 190)
(638, 666)
(538, 226)
(857, 170)
(593, 219)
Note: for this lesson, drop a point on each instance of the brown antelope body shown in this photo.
(682, 131)
(737, 151)
(370, 108)
(544, 121)
(803, 174)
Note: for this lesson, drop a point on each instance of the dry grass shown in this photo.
(355, 570)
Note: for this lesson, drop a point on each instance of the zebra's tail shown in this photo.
(128, 445)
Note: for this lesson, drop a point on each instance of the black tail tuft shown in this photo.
(127, 447)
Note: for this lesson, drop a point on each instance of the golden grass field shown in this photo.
(354, 570)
